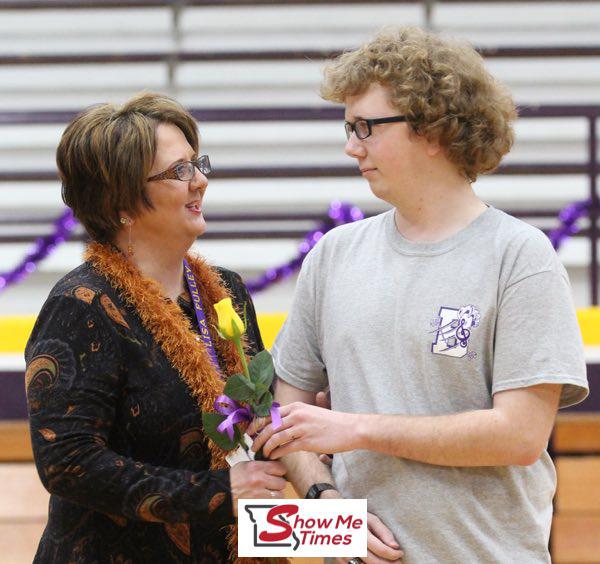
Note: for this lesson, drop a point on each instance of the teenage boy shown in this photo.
(444, 328)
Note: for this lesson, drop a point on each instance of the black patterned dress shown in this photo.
(117, 436)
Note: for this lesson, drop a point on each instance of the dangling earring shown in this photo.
(129, 223)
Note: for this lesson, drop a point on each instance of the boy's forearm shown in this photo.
(514, 431)
(305, 469)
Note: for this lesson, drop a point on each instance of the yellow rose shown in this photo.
(229, 323)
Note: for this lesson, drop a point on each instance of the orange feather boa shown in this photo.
(172, 331)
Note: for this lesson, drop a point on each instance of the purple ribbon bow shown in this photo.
(236, 413)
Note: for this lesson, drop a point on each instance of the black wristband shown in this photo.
(315, 491)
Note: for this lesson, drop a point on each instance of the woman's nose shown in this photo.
(198, 181)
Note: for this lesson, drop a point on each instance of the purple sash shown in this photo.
(199, 309)
(223, 404)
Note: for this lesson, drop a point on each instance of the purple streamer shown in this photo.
(338, 214)
(568, 216)
(44, 246)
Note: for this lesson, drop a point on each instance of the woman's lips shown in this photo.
(195, 207)
(367, 170)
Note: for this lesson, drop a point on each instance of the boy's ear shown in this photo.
(433, 149)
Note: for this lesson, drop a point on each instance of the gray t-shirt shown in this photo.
(398, 327)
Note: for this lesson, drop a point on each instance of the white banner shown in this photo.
(302, 527)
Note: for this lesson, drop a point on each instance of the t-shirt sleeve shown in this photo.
(296, 351)
(538, 340)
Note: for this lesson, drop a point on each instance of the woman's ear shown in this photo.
(125, 219)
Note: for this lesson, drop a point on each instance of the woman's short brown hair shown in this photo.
(442, 87)
(105, 154)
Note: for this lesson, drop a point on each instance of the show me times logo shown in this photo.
(302, 527)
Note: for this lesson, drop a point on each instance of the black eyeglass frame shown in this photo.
(351, 127)
(202, 163)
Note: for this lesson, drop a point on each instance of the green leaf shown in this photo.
(239, 388)
(259, 391)
(261, 369)
(267, 399)
(263, 409)
(210, 422)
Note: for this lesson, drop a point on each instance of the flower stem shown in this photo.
(260, 455)
(240, 349)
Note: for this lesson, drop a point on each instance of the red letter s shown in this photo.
(288, 510)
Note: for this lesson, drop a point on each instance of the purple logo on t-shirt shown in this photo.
(452, 329)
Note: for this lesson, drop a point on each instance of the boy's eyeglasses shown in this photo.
(364, 127)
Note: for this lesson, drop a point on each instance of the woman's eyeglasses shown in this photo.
(185, 171)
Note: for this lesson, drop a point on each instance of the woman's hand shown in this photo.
(305, 427)
(256, 480)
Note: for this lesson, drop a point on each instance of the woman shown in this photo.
(117, 373)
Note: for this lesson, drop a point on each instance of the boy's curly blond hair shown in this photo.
(441, 86)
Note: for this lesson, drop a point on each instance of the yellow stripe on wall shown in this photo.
(15, 330)
(270, 324)
(589, 323)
